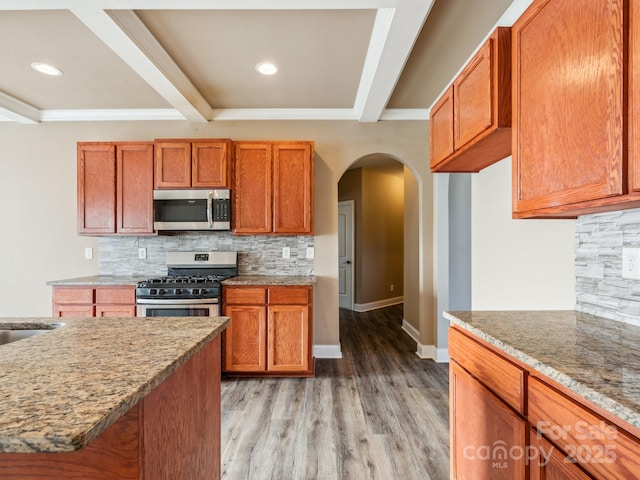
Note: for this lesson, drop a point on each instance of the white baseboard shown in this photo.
(365, 307)
(439, 355)
(327, 351)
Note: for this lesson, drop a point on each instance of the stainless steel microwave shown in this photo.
(182, 210)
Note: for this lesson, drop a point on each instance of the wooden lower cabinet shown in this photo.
(270, 331)
(108, 301)
(558, 436)
(487, 437)
(172, 433)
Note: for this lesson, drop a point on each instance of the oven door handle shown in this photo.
(210, 208)
(177, 301)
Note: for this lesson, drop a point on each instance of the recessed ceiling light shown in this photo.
(46, 69)
(266, 68)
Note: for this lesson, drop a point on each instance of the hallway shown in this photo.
(380, 412)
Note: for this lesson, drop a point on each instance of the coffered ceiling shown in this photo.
(194, 60)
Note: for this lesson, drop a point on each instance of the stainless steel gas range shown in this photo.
(191, 288)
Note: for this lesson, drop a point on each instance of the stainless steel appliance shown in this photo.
(192, 209)
(191, 288)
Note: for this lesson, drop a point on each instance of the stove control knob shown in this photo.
(161, 291)
(195, 291)
(178, 291)
(152, 291)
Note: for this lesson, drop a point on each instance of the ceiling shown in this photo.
(194, 60)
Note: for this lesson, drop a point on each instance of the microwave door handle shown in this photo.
(210, 208)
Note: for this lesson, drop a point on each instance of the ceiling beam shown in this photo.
(18, 111)
(200, 4)
(131, 40)
(394, 33)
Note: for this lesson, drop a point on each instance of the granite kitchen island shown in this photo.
(111, 398)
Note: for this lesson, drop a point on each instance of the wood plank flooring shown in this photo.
(379, 412)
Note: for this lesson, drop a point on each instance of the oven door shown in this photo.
(178, 308)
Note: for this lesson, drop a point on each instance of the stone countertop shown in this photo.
(61, 389)
(597, 358)
(265, 280)
(100, 280)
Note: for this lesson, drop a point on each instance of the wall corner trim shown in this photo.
(428, 352)
(327, 351)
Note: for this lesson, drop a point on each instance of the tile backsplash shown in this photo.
(600, 288)
(257, 254)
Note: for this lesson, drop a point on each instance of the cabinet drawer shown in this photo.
(245, 296)
(116, 295)
(289, 296)
(503, 377)
(73, 295)
(603, 449)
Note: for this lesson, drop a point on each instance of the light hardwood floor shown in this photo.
(380, 412)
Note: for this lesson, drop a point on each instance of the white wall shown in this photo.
(517, 264)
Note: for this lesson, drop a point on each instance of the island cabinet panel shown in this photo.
(115, 188)
(548, 462)
(470, 125)
(273, 188)
(172, 433)
(252, 192)
(270, 331)
(201, 163)
(601, 448)
(483, 431)
(107, 301)
(570, 108)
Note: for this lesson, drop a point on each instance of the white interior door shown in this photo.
(345, 254)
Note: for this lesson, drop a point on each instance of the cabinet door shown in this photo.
(293, 188)
(441, 128)
(252, 192)
(96, 188)
(173, 165)
(473, 94)
(288, 338)
(115, 311)
(63, 310)
(549, 463)
(245, 339)
(210, 165)
(634, 97)
(135, 188)
(569, 97)
(483, 432)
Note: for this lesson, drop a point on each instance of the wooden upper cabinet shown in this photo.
(96, 188)
(634, 98)
(273, 188)
(470, 125)
(293, 188)
(252, 191)
(569, 87)
(441, 122)
(134, 188)
(192, 164)
(115, 188)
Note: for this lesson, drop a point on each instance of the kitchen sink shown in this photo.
(8, 336)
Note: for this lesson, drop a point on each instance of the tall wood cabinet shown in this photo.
(270, 331)
(570, 146)
(199, 163)
(470, 125)
(273, 188)
(115, 188)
